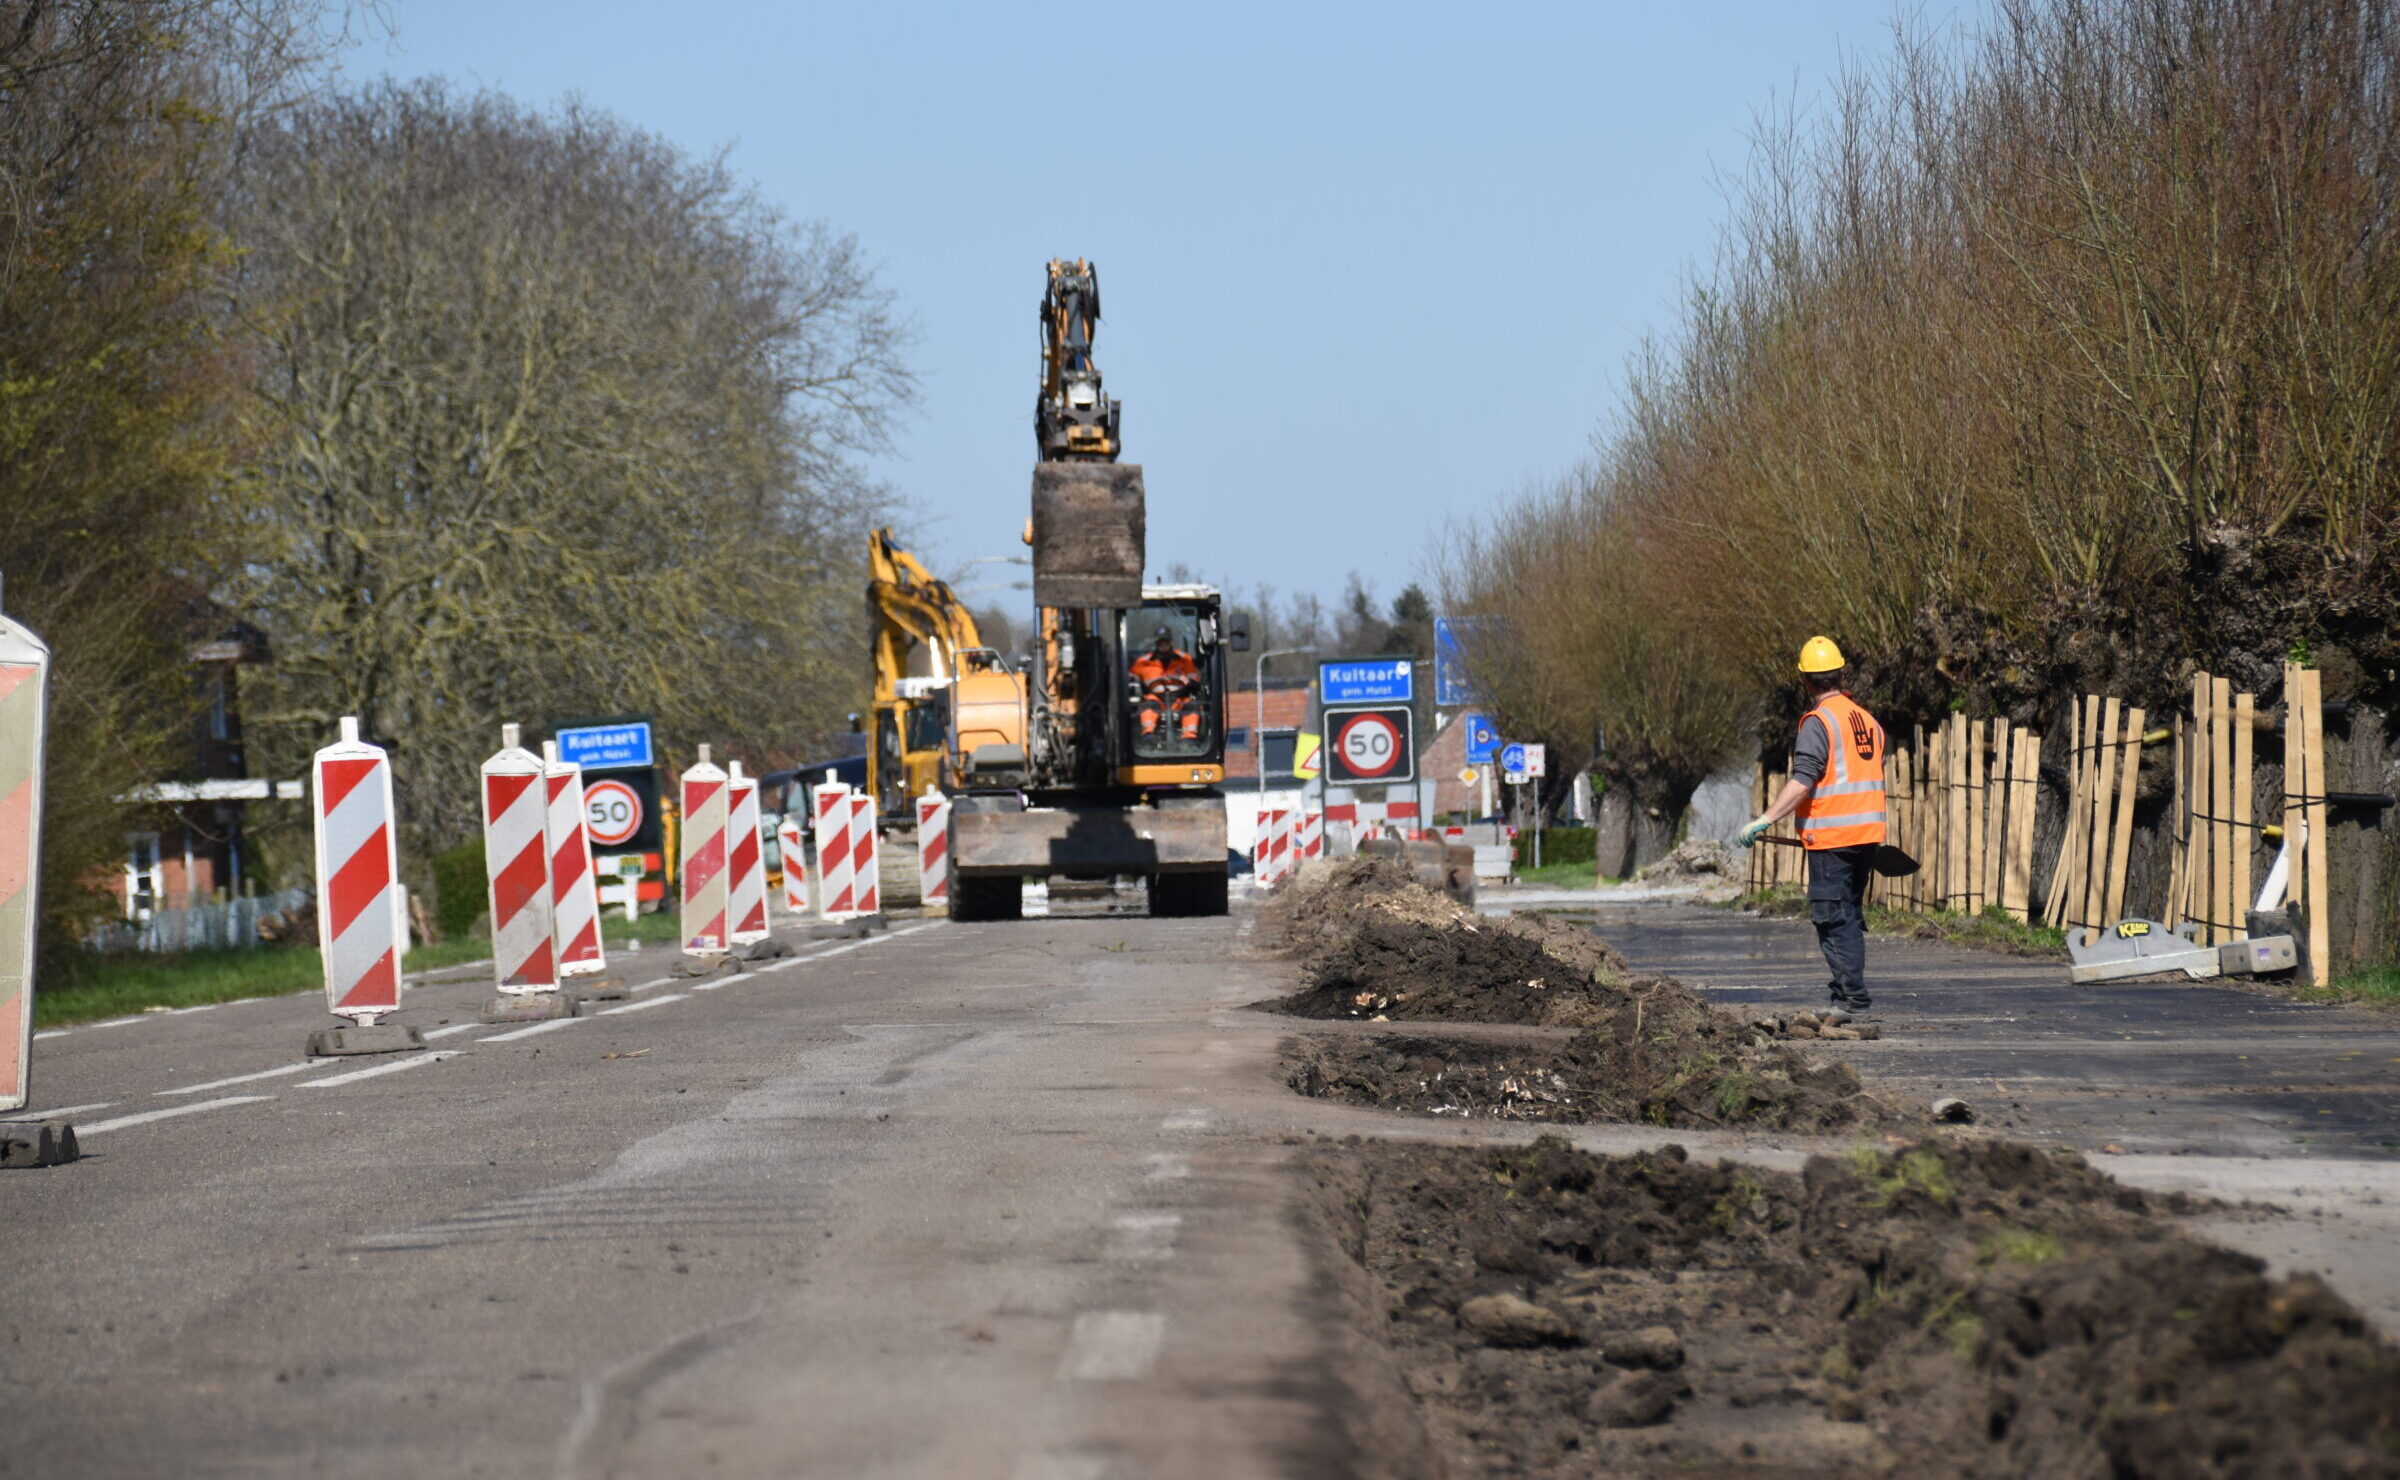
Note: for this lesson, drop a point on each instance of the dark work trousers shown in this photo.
(1837, 894)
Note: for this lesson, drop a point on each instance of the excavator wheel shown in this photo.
(973, 899)
(1178, 896)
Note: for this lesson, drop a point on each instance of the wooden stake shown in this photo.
(2129, 784)
(2179, 838)
(2024, 794)
(2312, 755)
(2197, 879)
(2245, 829)
(2293, 812)
(2220, 810)
(2104, 777)
(2054, 898)
(1995, 828)
(1954, 842)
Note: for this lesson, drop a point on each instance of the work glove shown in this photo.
(1753, 830)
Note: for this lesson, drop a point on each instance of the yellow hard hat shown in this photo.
(1819, 655)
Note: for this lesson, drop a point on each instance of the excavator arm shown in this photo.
(914, 613)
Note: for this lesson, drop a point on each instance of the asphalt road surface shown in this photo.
(962, 1201)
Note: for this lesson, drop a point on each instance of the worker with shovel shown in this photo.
(1836, 788)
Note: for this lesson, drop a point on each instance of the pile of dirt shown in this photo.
(1978, 1309)
(1376, 945)
(1693, 858)
(1695, 1079)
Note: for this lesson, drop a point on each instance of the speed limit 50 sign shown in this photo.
(1369, 745)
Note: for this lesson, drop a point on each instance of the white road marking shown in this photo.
(542, 1027)
(394, 1067)
(1185, 1120)
(1144, 1237)
(645, 1002)
(169, 1113)
(181, 1011)
(646, 986)
(1112, 1346)
(432, 1033)
(275, 1073)
(52, 1033)
(1167, 1168)
(68, 1110)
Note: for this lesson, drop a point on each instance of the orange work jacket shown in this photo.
(1846, 807)
(1156, 676)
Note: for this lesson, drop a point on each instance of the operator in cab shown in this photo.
(1170, 683)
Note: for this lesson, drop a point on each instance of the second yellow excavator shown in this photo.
(925, 640)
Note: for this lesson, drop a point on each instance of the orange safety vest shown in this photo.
(1846, 807)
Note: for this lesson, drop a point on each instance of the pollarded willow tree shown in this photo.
(553, 420)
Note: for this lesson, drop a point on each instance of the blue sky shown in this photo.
(1365, 267)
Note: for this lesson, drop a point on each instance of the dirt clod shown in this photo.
(1510, 1320)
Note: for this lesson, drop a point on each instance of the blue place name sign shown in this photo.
(1372, 681)
(607, 747)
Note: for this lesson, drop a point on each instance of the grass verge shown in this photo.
(97, 986)
(2376, 986)
(1560, 876)
(1992, 930)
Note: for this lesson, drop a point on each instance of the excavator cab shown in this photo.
(1175, 678)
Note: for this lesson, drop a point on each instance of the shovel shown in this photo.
(1890, 862)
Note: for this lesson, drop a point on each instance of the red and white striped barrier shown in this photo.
(358, 869)
(706, 891)
(837, 872)
(1270, 860)
(933, 849)
(24, 700)
(745, 859)
(516, 864)
(795, 864)
(574, 887)
(866, 857)
(1311, 843)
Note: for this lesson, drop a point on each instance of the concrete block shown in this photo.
(382, 1038)
(527, 1007)
(37, 1143)
(837, 930)
(761, 950)
(595, 989)
(698, 966)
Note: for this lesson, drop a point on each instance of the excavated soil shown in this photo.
(1976, 1309)
(1375, 945)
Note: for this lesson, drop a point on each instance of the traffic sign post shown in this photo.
(1370, 745)
(24, 702)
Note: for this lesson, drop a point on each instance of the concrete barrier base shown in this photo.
(695, 966)
(37, 1143)
(761, 950)
(327, 1043)
(527, 1007)
(595, 989)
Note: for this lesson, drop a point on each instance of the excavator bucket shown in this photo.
(1089, 534)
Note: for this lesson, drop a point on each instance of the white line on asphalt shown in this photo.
(275, 1073)
(69, 1110)
(1060, 1467)
(51, 1033)
(1167, 1168)
(542, 1027)
(394, 1067)
(1112, 1346)
(1185, 1120)
(646, 986)
(646, 1002)
(170, 1112)
(432, 1033)
(181, 1011)
(1143, 1237)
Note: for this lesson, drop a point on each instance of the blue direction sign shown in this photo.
(1366, 681)
(1483, 738)
(607, 747)
(1450, 686)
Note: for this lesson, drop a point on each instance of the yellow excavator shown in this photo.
(1101, 756)
(925, 638)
